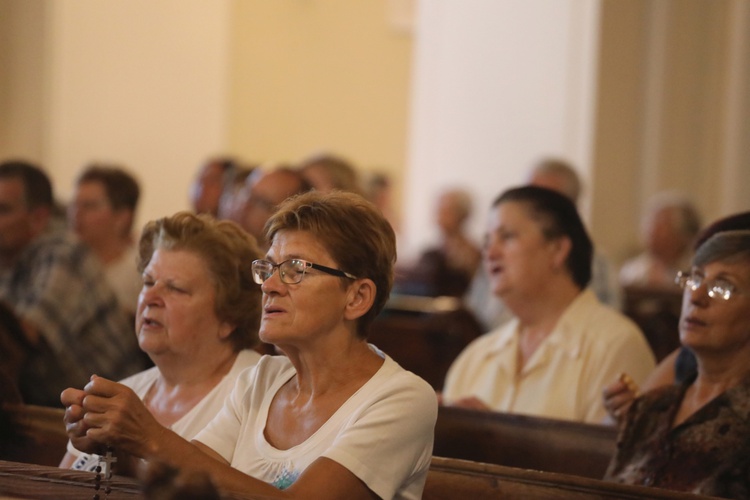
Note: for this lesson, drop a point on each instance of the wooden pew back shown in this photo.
(657, 313)
(525, 442)
(32, 434)
(449, 479)
(426, 341)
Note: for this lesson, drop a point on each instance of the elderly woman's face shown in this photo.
(712, 324)
(518, 258)
(295, 313)
(176, 306)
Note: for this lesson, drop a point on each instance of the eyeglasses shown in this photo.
(716, 288)
(291, 271)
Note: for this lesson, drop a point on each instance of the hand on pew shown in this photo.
(618, 397)
(470, 403)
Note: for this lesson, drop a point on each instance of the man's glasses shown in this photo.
(291, 271)
(716, 288)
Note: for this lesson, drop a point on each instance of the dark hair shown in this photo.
(121, 188)
(228, 252)
(353, 231)
(559, 218)
(37, 186)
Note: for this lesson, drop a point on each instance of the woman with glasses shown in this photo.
(563, 346)
(695, 436)
(680, 365)
(197, 319)
(334, 417)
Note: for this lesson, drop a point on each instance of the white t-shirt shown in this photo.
(125, 280)
(194, 420)
(587, 350)
(383, 433)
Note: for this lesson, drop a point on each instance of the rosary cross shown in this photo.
(108, 459)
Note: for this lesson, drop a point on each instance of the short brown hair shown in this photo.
(121, 188)
(228, 252)
(352, 230)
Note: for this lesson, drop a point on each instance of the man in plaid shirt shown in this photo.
(57, 289)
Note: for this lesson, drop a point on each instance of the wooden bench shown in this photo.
(450, 479)
(525, 442)
(424, 335)
(657, 312)
(32, 434)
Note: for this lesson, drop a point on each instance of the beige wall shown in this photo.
(319, 75)
(22, 77)
(160, 85)
(492, 96)
(123, 81)
(673, 101)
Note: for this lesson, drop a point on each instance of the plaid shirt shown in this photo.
(59, 287)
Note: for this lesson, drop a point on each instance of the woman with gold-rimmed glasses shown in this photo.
(334, 417)
(696, 436)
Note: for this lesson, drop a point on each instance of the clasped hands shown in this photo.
(106, 413)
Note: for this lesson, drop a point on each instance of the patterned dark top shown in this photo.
(709, 453)
(59, 287)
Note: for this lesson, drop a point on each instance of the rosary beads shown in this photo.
(108, 459)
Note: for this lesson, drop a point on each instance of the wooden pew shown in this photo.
(424, 335)
(525, 442)
(657, 312)
(32, 434)
(21, 480)
(450, 479)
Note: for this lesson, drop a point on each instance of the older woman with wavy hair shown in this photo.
(197, 318)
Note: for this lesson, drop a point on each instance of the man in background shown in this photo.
(56, 288)
(101, 215)
(209, 183)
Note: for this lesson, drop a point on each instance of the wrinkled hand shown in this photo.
(471, 403)
(113, 415)
(618, 397)
(75, 427)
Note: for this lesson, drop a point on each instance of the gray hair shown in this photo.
(727, 246)
(570, 181)
(688, 220)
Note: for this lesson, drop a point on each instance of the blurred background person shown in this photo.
(263, 193)
(101, 214)
(57, 289)
(448, 268)
(233, 196)
(562, 346)
(668, 228)
(378, 189)
(208, 185)
(198, 317)
(326, 172)
(694, 436)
